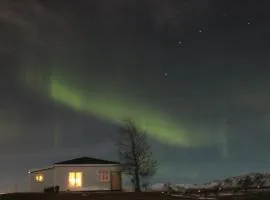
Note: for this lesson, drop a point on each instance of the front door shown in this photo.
(116, 182)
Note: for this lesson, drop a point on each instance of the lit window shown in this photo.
(75, 179)
(39, 178)
(104, 175)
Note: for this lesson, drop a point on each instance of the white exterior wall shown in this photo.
(90, 179)
(48, 175)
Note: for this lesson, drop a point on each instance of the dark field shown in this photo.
(116, 196)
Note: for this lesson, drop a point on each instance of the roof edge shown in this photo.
(40, 169)
(85, 165)
(68, 165)
(82, 159)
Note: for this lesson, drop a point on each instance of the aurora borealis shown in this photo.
(192, 74)
(116, 109)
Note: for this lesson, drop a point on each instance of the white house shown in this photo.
(78, 174)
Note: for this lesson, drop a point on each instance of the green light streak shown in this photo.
(114, 108)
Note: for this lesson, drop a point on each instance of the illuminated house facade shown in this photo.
(80, 174)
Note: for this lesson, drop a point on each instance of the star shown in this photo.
(180, 44)
(249, 23)
(200, 31)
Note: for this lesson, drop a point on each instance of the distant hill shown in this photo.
(251, 180)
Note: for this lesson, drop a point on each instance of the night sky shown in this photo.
(194, 74)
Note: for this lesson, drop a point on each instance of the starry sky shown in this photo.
(193, 74)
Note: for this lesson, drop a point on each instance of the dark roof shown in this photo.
(85, 160)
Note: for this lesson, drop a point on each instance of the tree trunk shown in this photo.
(136, 170)
(137, 181)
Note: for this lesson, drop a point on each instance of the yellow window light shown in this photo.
(75, 179)
(39, 178)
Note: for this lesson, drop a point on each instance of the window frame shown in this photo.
(39, 178)
(77, 183)
(104, 172)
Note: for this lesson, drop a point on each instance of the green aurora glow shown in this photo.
(115, 108)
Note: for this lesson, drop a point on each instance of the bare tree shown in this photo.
(135, 154)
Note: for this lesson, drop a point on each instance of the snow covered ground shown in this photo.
(159, 187)
(223, 187)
